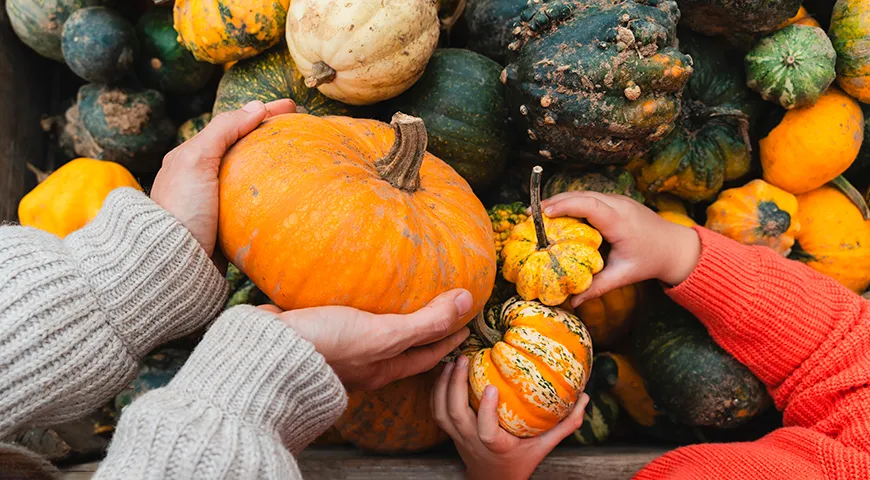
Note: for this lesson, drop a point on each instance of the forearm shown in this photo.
(77, 314)
(252, 394)
(772, 314)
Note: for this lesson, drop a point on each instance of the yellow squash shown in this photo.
(756, 214)
(538, 357)
(69, 198)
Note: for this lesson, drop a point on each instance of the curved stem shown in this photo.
(448, 22)
(853, 194)
(40, 175)
(537, 216)
(320, 73)
(401, 165)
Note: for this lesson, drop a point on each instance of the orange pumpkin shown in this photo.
(538, 357)
(834, 238)
(813, 145)
(341, 211)
(756, 214)
(608, 317)
(802, 17)
(394, 419)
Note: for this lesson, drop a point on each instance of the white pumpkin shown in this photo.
(362, 51)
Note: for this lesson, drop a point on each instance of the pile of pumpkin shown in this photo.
(744, 118)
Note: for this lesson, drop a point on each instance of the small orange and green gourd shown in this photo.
(550, 259)
(792, 66)
(756, 214)
(850, 34)
(672, 209)
(191, 127)
(504, 218)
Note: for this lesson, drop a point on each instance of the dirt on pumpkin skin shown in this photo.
(128, 119)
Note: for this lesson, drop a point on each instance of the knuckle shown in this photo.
(455, 417)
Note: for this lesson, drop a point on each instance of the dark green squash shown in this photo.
(689, 376)
(191, 127)
(462, 102)
(792, 66)
(491, 24)
(711, 143)
(271, 76)
(164, 64)
(99, 44)
(125, 125)
(596, 81)
(729, 17)
(40, 24)
(599, 419)
(156, 370)
(609, 179)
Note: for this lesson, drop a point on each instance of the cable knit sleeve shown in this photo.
(77, 314)
(250, 391)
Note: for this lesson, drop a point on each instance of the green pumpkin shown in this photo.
(39, 24)
(850, 35)
(599, 419)
(271, 76)
(596, 81)
(156, 370)
(191, 127)
(128, 126)
(461, 101)
(164, 64)
(711, 143)
(99, 44)
(610, 180)
(730, 17)
(491, 24)
(792, 67)
(689, 376)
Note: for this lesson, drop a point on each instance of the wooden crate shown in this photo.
(31, 86)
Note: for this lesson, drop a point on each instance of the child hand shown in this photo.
(643, 245)
(488, 450)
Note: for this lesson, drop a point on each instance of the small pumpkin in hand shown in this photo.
(221, 31)
(551, 259)
(850, 30)
(538, 357)
(72, 195)
(813, 145)
(756, 214)
(834, 237)
(792, 67)
(362, 52)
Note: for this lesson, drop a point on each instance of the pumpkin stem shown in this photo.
(537, 216)
(401, 166)
(854, 195)
(320, 73)
(40, 175)
(483, 329)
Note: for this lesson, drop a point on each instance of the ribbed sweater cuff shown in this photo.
(151, 277)
(251, 365)
(745, 297)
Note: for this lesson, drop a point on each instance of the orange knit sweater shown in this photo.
(808, 339)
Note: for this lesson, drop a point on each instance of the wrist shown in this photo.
(684, 246)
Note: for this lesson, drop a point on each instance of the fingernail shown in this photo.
(548, 211)
(584, 400)
(463, 302)
(490, 391)
(462, 362)
(576, 301)
(447, 369)
(253, 106)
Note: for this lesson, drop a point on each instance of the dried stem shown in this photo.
(853, 194)
(401, 166)
(320, 73)
(535, 189)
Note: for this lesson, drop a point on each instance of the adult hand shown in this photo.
(368, 351)
(488, 450)
(643, 245)
(187, 183)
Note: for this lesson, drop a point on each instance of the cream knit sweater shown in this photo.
(76, 316)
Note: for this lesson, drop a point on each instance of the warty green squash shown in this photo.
(491, 24)
(730, 17)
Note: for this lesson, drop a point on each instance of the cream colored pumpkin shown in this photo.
(362, 51)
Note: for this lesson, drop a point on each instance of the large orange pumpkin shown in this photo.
(340, 211)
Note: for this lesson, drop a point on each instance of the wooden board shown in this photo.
(24, 83)
(598, 463)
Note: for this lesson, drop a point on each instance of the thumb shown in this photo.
(438, 319)
(612, 277)
(227, 128)
(549, 439)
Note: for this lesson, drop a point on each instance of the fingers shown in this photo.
(271, 309)
(595, 207)
(438, 401)
(280, 107)
(431, 323)
(612, 277)
(419, 359)
(458, 410)
(549, 439)
(488, 429)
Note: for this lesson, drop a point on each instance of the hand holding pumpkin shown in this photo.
(643, 245)
(187, 183)
(488, 450)
(368, 351)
